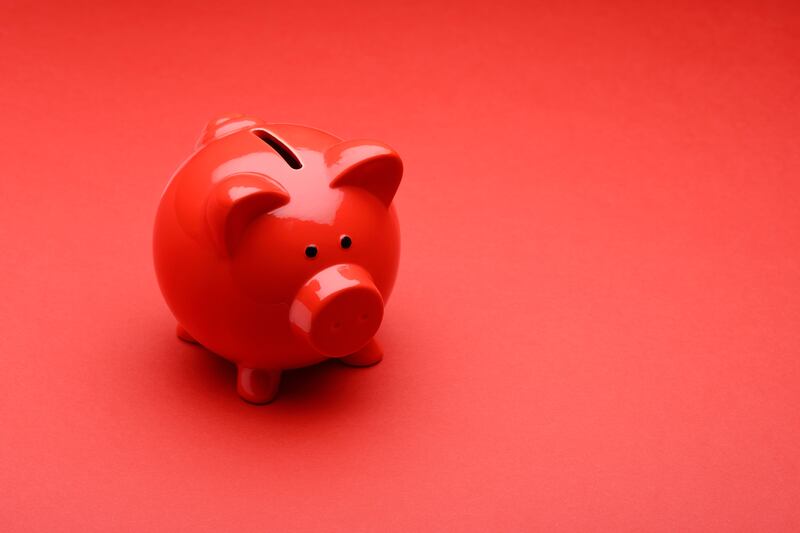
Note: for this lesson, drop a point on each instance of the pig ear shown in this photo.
(224, 125)
(370, 165)
(238, 200)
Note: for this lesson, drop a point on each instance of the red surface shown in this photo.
(595, 324)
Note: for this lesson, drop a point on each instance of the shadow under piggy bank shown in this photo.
(325, 384)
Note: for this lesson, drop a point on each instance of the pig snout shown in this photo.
(338, 310)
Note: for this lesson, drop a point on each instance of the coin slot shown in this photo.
(282, 150)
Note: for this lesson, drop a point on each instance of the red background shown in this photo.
(597, 320)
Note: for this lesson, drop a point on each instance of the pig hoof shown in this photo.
(257, 386)
(369, 355)
(184, 335)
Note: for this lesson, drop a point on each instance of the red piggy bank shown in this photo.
(276, 247)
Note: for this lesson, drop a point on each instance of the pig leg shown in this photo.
(184, 335)
(369, 355)
(256, 385)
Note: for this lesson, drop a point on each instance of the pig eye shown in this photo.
(345, 241)
(311, 251)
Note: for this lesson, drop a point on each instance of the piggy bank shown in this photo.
(276, 246)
